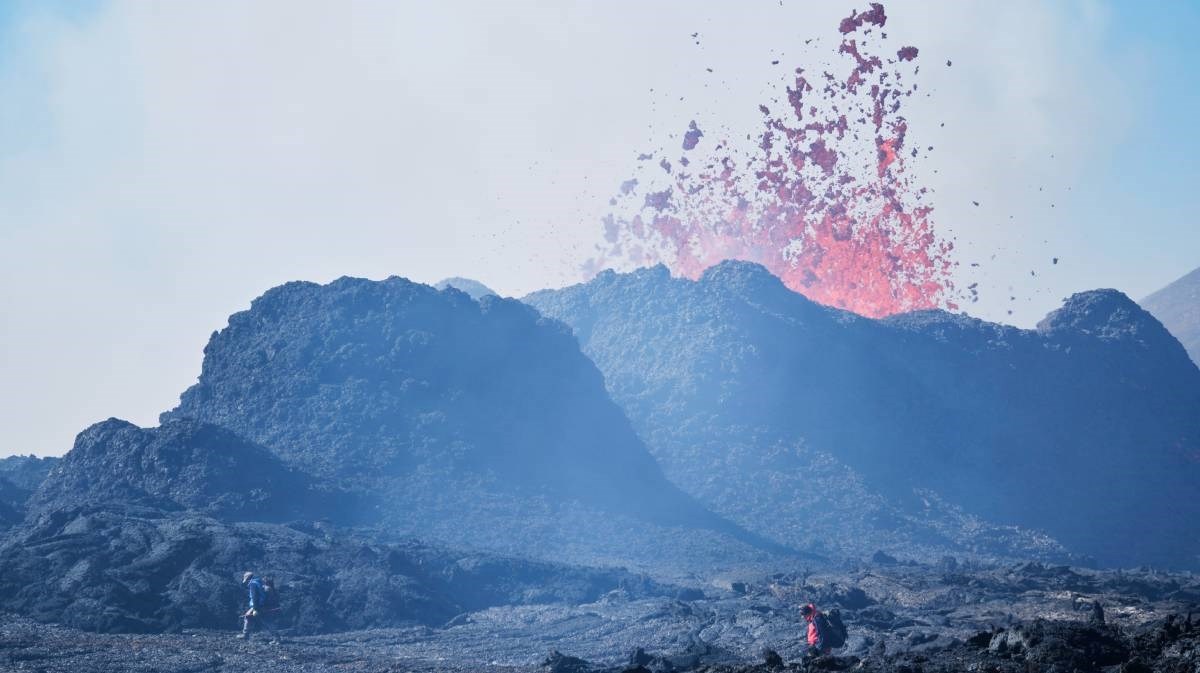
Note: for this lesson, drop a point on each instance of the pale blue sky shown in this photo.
(161, 164)
(1144, 199)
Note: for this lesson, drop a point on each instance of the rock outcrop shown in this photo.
(473, 423)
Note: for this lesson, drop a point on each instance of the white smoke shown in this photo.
(164, 163)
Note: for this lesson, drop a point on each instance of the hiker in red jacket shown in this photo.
(817, 639)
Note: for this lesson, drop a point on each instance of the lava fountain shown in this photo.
(820, 196)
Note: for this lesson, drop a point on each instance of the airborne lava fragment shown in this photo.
(822, 198)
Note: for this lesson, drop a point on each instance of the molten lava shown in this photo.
(822, 199)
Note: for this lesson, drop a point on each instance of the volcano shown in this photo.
(1084, 428)
(476, 423)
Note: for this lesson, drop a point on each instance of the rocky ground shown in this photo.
(901, 617)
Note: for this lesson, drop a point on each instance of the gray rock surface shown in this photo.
(20, 476)
(26, 472)
(473, 423)
(1007, 619)
(182, 465)
(136, 569)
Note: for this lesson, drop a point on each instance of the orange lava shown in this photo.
(822, 199)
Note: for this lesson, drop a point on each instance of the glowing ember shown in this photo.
(822, 199)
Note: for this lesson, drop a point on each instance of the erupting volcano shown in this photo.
(822, 199)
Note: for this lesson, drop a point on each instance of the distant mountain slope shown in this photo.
(26, 472)
(478, 423)
(474, 288)
(1178, 307)
(1085, 428)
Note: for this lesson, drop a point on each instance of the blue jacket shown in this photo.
(255, 588)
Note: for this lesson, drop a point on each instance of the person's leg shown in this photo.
(248, 624)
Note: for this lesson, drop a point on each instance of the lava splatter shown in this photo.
(821, 198)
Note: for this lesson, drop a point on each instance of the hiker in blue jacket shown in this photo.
(251, 619)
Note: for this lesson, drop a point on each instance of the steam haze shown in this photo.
(161, 164)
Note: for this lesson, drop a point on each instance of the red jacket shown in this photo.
(816, 639)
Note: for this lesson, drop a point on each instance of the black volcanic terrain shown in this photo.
(20, 476)
(1085, 428)
(369, 411)
(655, 483)
(182, 465)
(902, 618)
(476, 423)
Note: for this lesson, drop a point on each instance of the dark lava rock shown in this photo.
(479, 423)
(182, 465)
(1066, 645)
(130, 569)
(883, 558)
(828, 595)
(853, 598)
(390, 404)
(26, 472)
(366, 380)
(718, 635)
(881, 618)
(772, 659)
(831, 663)
(557, 662)
(644, 662)
(923, 431)
(1109, 316)
(12, 500)
(20, 476)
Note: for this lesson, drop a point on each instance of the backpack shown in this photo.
(833, 631)
(270, 595)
